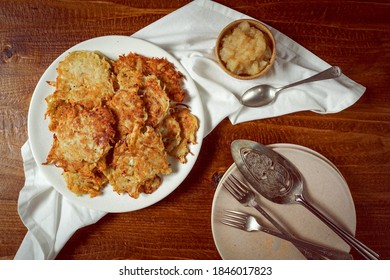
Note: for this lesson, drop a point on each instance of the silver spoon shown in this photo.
(278, 180)
(264, 94)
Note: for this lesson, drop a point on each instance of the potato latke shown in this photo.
(138, 160)
(117, 121)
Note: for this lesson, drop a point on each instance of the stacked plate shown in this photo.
(325, 187)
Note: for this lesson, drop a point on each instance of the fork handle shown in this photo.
(329, 253)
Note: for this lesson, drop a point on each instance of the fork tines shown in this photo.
(235, 214)
(234, 219)
(235, 186)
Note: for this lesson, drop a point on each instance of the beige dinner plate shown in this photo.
(325, 187)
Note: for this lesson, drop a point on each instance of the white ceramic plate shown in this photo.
(325, 188)
(41, 138)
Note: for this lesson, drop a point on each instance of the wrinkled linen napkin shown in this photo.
(189, 34)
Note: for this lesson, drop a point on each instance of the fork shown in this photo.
(248, 222)
(246, 197)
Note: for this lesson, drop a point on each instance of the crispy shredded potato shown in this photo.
(132, 69)
(84, 78)
(113, 122)
(137, 162)
(129, 109)
(188, 127)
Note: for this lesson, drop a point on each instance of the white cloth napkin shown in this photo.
(50, 218)
(189, 34)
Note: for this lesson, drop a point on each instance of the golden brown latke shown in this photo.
(189, 125)
(81, 143)
(137, 162)
(80, 184)
(82, 135)
(156, 101)
(129, 109)
(169, 76)
(84, 78)
(170, 132)
(131, 69)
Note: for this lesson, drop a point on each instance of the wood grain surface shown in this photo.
(352, 34)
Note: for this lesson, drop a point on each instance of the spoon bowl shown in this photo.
(262, 95)
(259, 96)
(278, 180)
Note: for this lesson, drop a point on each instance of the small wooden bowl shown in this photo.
(270, 41)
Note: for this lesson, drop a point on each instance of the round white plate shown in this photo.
(41, 138)
(325, 187)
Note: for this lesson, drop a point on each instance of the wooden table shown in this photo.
(352, 34)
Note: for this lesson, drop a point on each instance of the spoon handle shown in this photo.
(347, 237)
(330, 73)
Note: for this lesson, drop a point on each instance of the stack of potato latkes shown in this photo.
(117, 122)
